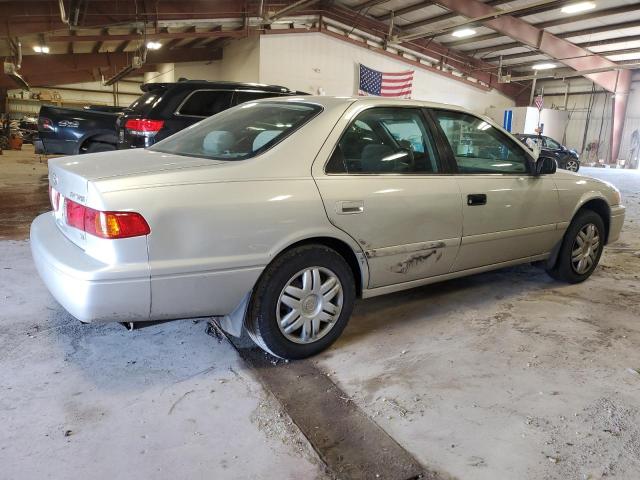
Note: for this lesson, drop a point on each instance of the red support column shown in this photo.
(620, 100)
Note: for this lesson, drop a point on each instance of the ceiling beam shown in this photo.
(445, 59)
(52, 65)
(444, 16)
(19, 17)
(99, 43)
(407, 9)
(575, 33)
(566, 52)
(292, 8)
(369, 4)
(551, 23)
(149, 36)
(618, 51)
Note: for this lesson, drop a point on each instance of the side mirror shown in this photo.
(545, 166)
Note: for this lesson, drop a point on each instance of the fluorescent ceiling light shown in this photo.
(543, 66)
(464, 32)
(41, 49)
(153, 45)
(578, 7)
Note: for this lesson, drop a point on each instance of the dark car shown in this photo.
(568, 159)
(166, 108)
(69, 131)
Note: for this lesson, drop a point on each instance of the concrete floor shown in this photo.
(505, 375)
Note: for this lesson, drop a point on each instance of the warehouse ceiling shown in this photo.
(95, 39)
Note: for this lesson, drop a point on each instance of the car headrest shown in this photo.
(264, 137)
(217, 142)
(372, 156)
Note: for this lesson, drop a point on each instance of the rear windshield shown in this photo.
(144, 102)
(241, 132)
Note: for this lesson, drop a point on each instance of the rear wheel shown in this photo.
(302, 302)
(581, 248)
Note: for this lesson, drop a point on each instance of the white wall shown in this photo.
(317, 63)
(240, 63)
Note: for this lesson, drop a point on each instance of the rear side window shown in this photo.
(242, 132)
(204, 103)
(385, 140)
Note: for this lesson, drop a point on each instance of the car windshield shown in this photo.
(241, 132)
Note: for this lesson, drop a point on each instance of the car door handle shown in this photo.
(477, 199)
(349, 207)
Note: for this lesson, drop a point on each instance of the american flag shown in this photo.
(381, 84)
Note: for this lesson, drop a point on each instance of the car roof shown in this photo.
(332, 101)
(223, 85)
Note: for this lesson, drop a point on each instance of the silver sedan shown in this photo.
(277, 214)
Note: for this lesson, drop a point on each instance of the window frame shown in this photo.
(529, 165)
(443, 166)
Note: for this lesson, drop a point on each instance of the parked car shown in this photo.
(276, 214)
(70, 131)
(167, 108)
(568, 159)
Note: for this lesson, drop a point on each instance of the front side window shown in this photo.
(204, 103)
(478, 147)
(385, 140)
(241, 132)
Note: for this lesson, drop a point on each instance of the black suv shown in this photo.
(567, 159)
(167, 108)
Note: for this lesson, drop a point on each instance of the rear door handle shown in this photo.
(477, 199)
(349, 207)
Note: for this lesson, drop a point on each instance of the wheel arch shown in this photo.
(596, 204)
(600, 206)
(102, 136)
(357, 263)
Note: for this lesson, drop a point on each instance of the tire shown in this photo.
(572, 165)
(320, 285)
(568, 267)
(95, 147)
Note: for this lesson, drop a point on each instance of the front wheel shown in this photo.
(572, 165)
(302, 302)
(581, 248)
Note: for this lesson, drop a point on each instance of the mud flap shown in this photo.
(232, 323)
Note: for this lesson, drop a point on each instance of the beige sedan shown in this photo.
(275, 215)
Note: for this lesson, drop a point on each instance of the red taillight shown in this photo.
(109, 225)
(143, 126)
(54, 196)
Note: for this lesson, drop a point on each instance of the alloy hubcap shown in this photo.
(585, 249)
(572, 166)
(309, 305)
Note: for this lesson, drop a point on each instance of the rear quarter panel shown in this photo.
(209, 242)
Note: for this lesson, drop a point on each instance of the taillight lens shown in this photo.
(111, 225)
(143, 126)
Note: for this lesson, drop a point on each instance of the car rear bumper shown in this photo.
(93, 291)
(87, 288)
(615, 225)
